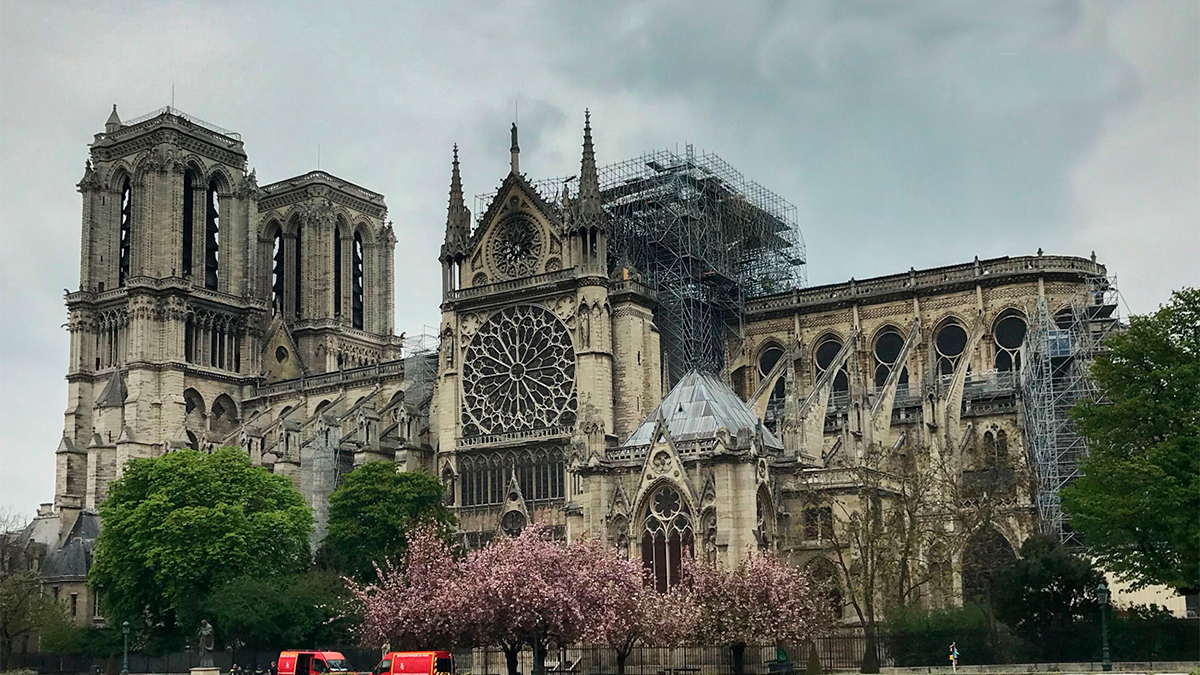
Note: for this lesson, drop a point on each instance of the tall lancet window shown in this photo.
(666, 537)
(189, 210)
(337, 271)
(357, 286)
(277, 270)
(126, 232)
(212, 237)
(296, 279)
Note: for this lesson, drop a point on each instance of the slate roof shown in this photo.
(74, 557)
(696, 408)
(114, 392)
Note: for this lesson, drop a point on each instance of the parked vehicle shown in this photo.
(312, 663)
(415, 663)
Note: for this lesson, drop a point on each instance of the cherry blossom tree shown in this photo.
(419, 603)
(622, 610)
(524, 591)
(761, 601)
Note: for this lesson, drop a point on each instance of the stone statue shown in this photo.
(205, 643)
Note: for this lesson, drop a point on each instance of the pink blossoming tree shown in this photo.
(762, 601)
(622, 610)
(524, 591)
(418, 603)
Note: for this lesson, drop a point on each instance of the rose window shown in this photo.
(518, 374)
(516, 247)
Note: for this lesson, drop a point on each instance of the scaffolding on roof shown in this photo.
(1055, 375)
(707, 239)
(420, 356)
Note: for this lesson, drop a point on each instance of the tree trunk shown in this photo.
(739, 657)
(870, 662)
(510, 658)
(621, 657)
(539, 657)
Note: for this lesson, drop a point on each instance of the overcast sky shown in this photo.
(908, 135)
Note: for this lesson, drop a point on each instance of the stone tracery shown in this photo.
(519, 374)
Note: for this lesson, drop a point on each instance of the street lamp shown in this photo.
(1102, 596)
(125, 630)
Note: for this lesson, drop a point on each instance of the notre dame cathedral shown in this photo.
(214, 311)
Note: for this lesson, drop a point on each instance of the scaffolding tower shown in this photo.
(1055, 375)
(707, 239)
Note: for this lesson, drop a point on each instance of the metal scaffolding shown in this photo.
(701, 234)
(1055, 374)
(706, 238)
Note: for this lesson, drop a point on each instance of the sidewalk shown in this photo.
(1183, 667)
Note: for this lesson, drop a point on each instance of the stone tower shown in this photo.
(197, 287)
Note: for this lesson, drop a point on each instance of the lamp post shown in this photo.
(1102, 596)
(125, 631)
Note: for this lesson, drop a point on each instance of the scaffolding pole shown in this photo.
(1056, 374)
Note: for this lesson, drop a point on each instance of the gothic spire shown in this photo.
(589, 180)
(515, 151)
(114, 121)
(458, 218)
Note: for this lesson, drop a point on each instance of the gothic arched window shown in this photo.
(888, 346)
(189, 213)
(1009, 333)
(125, 233)
(212, 236)
(951, 342)
(667, 537)
(277, 270)
(337, 271)
(824, 356)
(356, 285)
(296, 279)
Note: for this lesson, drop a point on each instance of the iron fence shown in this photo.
(1132, 640)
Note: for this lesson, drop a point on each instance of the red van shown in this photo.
(312, 663)
(414, 663)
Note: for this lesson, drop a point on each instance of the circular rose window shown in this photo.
(518, 374)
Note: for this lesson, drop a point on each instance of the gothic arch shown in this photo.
(765, 517)
(823, 337)
(224, 181)
(369, 233)
(194, 410)
(195, 164)
(225, 416)
(987, 553)
(884, 328)
(665, 519)
(117, 174)
(771, 343)
(824, 573)
(943, 361)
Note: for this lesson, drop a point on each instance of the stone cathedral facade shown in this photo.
(214, 311)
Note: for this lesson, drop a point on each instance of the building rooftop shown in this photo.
(696, 408)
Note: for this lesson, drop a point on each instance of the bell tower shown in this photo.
(164, 321)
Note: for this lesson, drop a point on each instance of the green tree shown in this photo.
(179, 526)
(372, 513)
(25, 612)
(1138, 501)
(1047, 588)
(294, 610)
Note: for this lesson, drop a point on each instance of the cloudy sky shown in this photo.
(907, 134)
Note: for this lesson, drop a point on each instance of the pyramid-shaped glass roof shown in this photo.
(696, 408)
